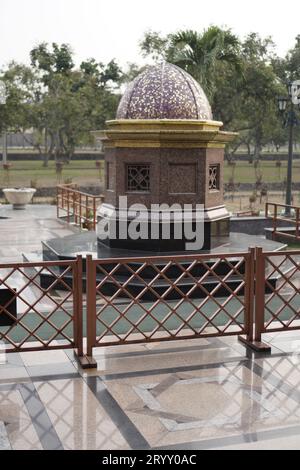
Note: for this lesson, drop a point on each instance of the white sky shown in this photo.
(106, 29)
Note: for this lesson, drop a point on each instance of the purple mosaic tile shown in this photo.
(164, 91)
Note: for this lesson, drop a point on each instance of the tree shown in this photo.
(59, 103)
(200, 54)
(237, 76)
(246, 102)
(197, 53)
(155, 46)
(20, 87)
(287, 70)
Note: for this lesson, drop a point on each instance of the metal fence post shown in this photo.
(94, 214)
(77, 295)
(68, 206)
(255, 301)
(275, 221)
(80, 210)
(74, 207)
(91, 311)
(249, 294)
(260, 292)
(57, 202)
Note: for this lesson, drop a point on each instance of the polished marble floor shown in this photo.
(191, 394)
(22, 231)
(194, 394)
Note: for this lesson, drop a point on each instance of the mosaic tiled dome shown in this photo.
(164, 91)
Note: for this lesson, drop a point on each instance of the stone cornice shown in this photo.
(164, 133)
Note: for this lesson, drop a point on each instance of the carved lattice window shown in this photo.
(214, 178)
(138, 178)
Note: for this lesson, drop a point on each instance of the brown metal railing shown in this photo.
(148, 299)
(277, 300)
(274, 212)
(78, 207)
(195, 281)
(41, 306)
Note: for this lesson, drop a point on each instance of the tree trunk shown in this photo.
(46, 159)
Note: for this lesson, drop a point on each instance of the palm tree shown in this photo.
(199, 54)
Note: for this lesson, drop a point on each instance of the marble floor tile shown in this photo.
(38, 358)
(205, 404)
(202, 342)
(10, 360)
(15, 373)
(45, 370)
(4, 441)
(18, 424)
(77, 416)
(282, 443)
(286, 369)
(23, 231)
(282, 336)
(291, 345)
(233, 343)
(177, 358)
(13, 360)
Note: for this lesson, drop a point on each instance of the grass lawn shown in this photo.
(26, 173)
(245, 172)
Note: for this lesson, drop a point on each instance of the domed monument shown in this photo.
(163, 153)
(164, 148)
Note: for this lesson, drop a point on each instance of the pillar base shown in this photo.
(86, 362)
(257, 346)
(212, 230)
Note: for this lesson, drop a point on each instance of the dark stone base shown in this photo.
(216, 232)
(257, 346)
(7, 296)
(161, 286)
(86, 243)
(285, 234)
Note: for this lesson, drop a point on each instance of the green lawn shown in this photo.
(84, 172)
(28, 173)
(245, 172)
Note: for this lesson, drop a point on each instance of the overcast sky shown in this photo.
(107, 29)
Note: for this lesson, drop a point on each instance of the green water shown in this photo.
(134, 314)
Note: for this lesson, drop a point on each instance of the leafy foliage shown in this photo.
(60, 103)
(241, 78)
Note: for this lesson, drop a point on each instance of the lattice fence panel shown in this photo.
(147, 300)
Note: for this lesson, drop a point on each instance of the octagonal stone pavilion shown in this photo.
(165, 148)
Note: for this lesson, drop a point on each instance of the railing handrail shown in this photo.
(80, 205)
(77, 191)
(254, 286)
(172, 258)
(275, 204)
(38, 264)
(291, 219)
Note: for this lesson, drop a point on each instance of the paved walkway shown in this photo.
(193, 394)
(22, 231)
